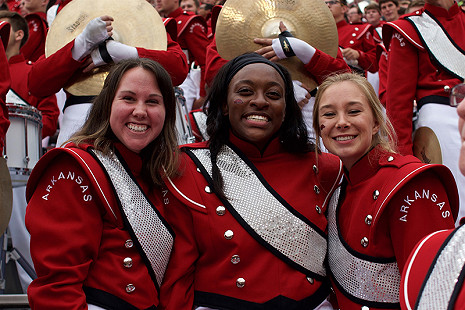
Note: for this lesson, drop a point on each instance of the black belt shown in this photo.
(72, 100)
(433, 99)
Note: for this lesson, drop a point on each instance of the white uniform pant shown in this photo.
(74, 117)
(325, 305)
(191, 87)
(443, 120)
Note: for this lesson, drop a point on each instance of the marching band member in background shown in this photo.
(387, 202)
(434, 274)
(255, 237)
(101, 236)
(5, 81)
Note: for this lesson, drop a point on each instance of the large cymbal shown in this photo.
(241, 21)
(6, 195)
(136, 23)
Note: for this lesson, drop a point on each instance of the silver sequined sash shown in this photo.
(439, 44)
(153, 236)
(201, 121)
(265, 217)
(363, 280)
(442, 281)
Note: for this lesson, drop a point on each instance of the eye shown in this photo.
(153, 102)
(328, 114)
(244, 91)
(274, 95)
(354, 111)
(128, 98)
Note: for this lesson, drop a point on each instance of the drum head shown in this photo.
(426, 146)
(6, 195)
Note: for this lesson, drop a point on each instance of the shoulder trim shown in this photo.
(405, 29)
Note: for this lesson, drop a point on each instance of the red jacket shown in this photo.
(79, 238)
(4, 84)
(38, 28)
(19, 70)
(412, 74)
(390, 203)
(192, 37)
(205, 265)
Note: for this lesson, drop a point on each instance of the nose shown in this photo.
(342, 122)
(260, 101)
(140, 110)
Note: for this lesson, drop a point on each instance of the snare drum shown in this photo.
(183, 124)
(23, 143)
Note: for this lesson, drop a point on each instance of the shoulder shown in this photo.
(402, 28)
(329, 171)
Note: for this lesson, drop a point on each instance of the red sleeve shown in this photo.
(66, 229)
(322, 65)
(367, 59)
(400, 90)
(382, 75)
(4, 87)
(173, 60)
(35, 45)
(418, 209)
(197, 41)
(49, 75)
(213, 62)
(49, 108)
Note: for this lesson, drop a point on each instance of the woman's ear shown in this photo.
(225, 109)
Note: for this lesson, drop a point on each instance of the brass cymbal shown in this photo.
(426, 146)
(136, 23)
(241, 21)
(6, 195)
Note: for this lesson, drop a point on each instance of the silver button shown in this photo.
(130, 288)
(351, 42)
(318, 209)
(390, 158)
(220, 210)
(208, 189)
(315, 169)
(310, 280)
(127, 262)
(368, 219)
(354, 34)
(235, 259)
(364, 242)
(356, 28)
(375, 194)
(198, 170)
(240, 282)
(447, 88)
(128, 244)
(364, 308)
(179, 22)
(316, 189)
(228, 234)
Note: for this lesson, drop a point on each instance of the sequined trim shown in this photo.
(439, 44)
(152, 234)
(265, 214)
(201, 121)
(365, 280)
(439, 286)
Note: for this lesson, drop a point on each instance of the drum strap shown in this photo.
(152, 235)
(264, 214)
(446, 275)
(439, 44)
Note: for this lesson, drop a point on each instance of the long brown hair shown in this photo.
(161, 153)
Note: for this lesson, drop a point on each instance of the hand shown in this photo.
(301, 93)
(267, 50)
(350, 54)
(97, 30)
(116, 50)
(198, 103)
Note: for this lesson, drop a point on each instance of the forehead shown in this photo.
(258, 72)
(386, 4)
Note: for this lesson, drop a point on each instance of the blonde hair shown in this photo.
(385, 137)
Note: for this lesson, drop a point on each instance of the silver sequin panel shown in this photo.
(370, 281)
(439, 44)
(152, 234)
(444, 276)
(265, 214)
(201, 120)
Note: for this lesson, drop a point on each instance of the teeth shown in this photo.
(257, 118)
(345, 138)
(138, 128)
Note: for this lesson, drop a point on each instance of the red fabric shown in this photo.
(192, 36)
(214, 62)
(359, 38)
(201, 260)
(38, 28)
(382, 72)
(4, 87)
(412, 74)
(77, 240)
(19, 70)
(418, 207)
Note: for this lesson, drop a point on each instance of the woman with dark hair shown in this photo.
(100, 237)
(386, 203)
(255, 237)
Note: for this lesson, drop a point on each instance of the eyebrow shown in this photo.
(271, 83)
(328, 106)
(133, 93)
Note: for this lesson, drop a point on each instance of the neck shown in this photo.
(10, 52)
(445, 4)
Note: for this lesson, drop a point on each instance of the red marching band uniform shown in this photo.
(93, 250)
(222, 260)
(387, 203)
(38, 28)
(4, 81)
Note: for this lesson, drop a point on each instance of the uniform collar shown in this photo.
(251, 151)
(176, 13)
(342, 23)
(16, 59)
(441, 12)
(365, 167)
(133, 160)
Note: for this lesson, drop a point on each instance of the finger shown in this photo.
(263, 41)
(282, 27)
(106, 18)
(264, 50)
(89, 67)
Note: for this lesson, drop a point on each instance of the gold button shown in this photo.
(220, 210)
(228, 234)
(235, 259)
(240, 282)
(368, 219)
(130, 288)
(127, 262)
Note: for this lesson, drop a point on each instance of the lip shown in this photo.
(247, 116)
(136, 126)
(344, 138)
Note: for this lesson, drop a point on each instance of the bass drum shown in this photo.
(23, 143)
(183, 124)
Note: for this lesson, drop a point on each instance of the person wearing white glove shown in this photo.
(97, 30)
(112, 51)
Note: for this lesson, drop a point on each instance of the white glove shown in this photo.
(117, 51)
(299, 91)
(301, 49)
(94, 33)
